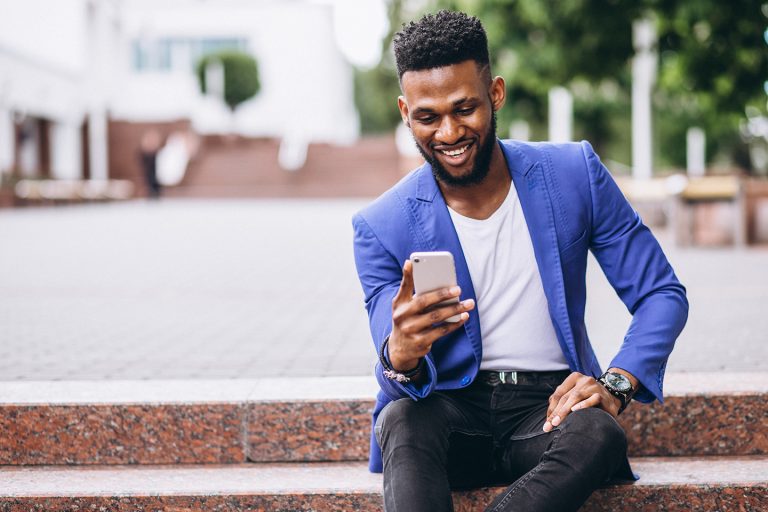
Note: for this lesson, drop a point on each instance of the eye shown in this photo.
(429, 119)
(466, 111)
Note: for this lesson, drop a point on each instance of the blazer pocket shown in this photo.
(574, 248)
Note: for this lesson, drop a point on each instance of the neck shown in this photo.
(480, 200)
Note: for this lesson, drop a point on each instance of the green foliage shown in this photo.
(600, 116)
(713, 62)
(538, 44)
(377, 89)
(376, 92)
(713, 55)
(241, 76)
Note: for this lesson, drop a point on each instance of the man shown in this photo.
(512, 393)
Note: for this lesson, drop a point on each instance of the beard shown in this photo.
(480, 168)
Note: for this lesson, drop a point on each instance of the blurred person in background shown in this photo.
(151, 143)
(511, 394)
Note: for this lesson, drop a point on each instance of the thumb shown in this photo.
(406, 285)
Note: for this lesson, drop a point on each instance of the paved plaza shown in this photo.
(252, 288)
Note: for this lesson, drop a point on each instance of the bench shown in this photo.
(73, 191)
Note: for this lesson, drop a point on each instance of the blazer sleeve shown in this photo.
(380, 274)
(638, 270)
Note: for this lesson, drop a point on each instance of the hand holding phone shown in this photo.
(420, 320)
(433, 271)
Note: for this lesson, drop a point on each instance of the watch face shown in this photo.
(618, 382)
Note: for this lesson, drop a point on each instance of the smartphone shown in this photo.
(432, 271)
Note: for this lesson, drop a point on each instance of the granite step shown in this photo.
(314, 420)
(669, 484)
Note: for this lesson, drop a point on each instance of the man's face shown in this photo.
(451, 113)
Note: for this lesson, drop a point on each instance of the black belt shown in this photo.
(495, 378)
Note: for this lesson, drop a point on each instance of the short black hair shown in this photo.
(440, 39)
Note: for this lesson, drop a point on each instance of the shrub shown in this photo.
(241, 76)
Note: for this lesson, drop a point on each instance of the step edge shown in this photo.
(371, 482)
(304, 389)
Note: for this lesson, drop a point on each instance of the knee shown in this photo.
(402, 415)
(599, 430)
(406, 420)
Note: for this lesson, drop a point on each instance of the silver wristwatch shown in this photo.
(619, 386)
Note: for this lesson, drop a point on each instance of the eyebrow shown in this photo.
(465, 99)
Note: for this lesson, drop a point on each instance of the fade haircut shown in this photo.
(440, 39)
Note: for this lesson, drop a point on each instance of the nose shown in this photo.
(449, 131)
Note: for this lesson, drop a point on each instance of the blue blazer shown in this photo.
(571, 206)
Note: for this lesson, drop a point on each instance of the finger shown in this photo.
(405, 293)
(434, 333)
(560, 412)
(440, 314)
(580, 390)
(566, 408)
(411, 322)
(418, 344)
(561, 390)
(585, 388)
(592, 401)
(556, 416)
(427, 300)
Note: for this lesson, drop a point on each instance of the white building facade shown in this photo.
(68, 67)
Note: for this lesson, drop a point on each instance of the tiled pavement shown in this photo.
(253, 288)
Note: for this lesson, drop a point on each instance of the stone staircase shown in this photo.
(301, 444)
(248, 168)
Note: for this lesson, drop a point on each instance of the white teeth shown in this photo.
(456, 152)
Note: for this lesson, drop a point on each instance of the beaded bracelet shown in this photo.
(393, 374)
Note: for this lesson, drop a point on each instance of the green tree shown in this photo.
(713, 64)
(377, 89)
(376, 92)
(538, 44)
(241, 76)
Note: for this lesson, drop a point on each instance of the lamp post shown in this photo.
(644, 65)
(560, 115)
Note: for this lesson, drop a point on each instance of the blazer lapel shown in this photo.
(532, 189)
(437, 233)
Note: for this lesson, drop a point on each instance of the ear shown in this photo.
(498, 93)
(403, 106)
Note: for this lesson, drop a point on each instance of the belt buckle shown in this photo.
(508, 376)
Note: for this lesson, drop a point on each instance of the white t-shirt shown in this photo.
(515, 325)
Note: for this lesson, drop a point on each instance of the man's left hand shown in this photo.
(579, 391)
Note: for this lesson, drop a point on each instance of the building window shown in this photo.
(169, 54)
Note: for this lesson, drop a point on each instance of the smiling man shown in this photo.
(511, 394)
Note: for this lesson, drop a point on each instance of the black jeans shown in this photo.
(492, 435)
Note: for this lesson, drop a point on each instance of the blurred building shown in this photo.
(82, 79)
(306, 85)
(44, 98)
